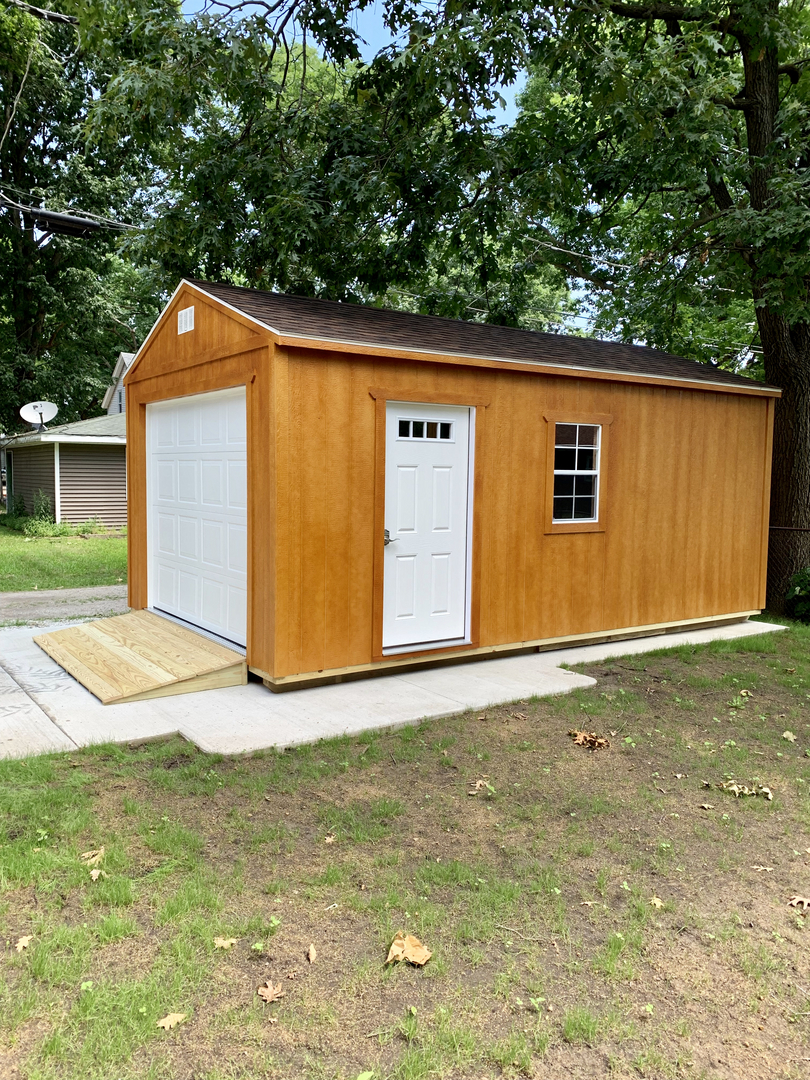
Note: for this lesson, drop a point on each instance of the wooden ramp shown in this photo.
(138, 656)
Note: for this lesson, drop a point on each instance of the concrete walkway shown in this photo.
(39, 606)
(43, 709)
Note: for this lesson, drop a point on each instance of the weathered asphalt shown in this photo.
(39, 606)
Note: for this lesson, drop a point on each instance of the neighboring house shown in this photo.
(81, 467)
(344, 490)
(115, 398)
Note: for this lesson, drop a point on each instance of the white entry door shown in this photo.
(197, 510)
(427, 504)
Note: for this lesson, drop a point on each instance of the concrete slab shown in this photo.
(48, 710)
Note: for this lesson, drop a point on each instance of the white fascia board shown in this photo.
(87, 440)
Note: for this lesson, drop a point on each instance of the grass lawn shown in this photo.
(591, 914)
(56, 562)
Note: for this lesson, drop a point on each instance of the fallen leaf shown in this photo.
(589, 739)
(519, 716)
(763, 869)
(587, 903)
(789, 736)
(482, 718)
(312, 954)
(746, 693)
(224, 942)
(24, 942)
(272, 1020)
(790, 670)
(329, 839)
(657, 902)
(410, 948)
(171, 1021)
(293, 974)
(799, 901)
(269, 993)
(707, 806)
(95, 873)
(90, 858)
(680, 775)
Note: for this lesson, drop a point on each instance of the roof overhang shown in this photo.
(47, 437)
(379, 349)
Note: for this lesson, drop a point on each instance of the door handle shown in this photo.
(389, 539)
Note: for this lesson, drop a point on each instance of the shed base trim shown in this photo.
(411, 663)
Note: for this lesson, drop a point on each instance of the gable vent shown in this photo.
(185, 320)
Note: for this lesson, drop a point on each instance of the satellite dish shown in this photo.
(39, 413)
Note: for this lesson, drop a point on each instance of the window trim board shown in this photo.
(574, 416)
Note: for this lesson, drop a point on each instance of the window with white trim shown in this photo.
(576, 472)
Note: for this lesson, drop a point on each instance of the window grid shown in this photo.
(576, 472)
(425, 429)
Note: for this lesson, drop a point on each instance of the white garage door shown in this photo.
(197, 510)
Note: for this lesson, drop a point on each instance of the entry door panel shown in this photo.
(197, 510)
(425, 580)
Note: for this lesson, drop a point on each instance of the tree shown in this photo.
(68, 304)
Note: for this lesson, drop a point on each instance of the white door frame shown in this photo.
(466, 638)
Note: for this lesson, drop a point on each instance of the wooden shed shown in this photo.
(341, 489)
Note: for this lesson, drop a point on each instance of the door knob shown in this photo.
(389, 539)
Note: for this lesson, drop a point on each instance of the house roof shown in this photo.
(98, 429)
(305, 318)
(122, 366)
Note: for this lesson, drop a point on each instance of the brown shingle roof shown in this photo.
(326, 320)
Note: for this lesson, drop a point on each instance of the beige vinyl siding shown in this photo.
(32, 472)
(93, 483)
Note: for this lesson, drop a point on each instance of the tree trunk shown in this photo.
(787, 365)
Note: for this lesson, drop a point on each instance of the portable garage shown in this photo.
(338, 490)
(341, 489)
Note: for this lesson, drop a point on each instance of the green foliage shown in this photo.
(798, 595)
(43, 510)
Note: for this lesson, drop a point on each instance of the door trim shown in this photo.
(477, 406)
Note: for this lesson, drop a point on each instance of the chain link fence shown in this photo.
(788, 551)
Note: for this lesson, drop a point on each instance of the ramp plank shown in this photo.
(139, 655)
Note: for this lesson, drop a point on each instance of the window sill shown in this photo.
(574, 527)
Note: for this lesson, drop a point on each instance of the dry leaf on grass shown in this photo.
(680, 775)
(90, 858)
(707, 806)
(589, 739)
(746, 693)
(95, 873)
(763, 869)
(802, 902)
(24, 942)
(736, 789)
(224, 942)
(171, 1021)
(657, 902)
(329, 839)
(269, 993)
(312, 954)
(409, 948)
(789, 736)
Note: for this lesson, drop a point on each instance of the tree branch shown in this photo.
(41, 13)
(666, 12)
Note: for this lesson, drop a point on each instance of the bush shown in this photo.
(18, 509)
(798, 595)
(42, 506)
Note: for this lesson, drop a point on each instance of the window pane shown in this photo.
(419, 429)
(566, 435)
(585, 485)
(587, 434)
(445, 431)
(563, 509)
(565, 459)
(432, 430)
(404, 429)
(585, 459)
(564, 485)
(583, 508)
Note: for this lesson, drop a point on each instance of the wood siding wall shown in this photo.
(685, 501)
(33, 471)
(684, 535)
(93, 483)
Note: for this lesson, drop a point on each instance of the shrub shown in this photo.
(18, 509)
(798, 595)
(42, 506)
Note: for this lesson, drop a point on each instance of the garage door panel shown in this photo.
(197, 507)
